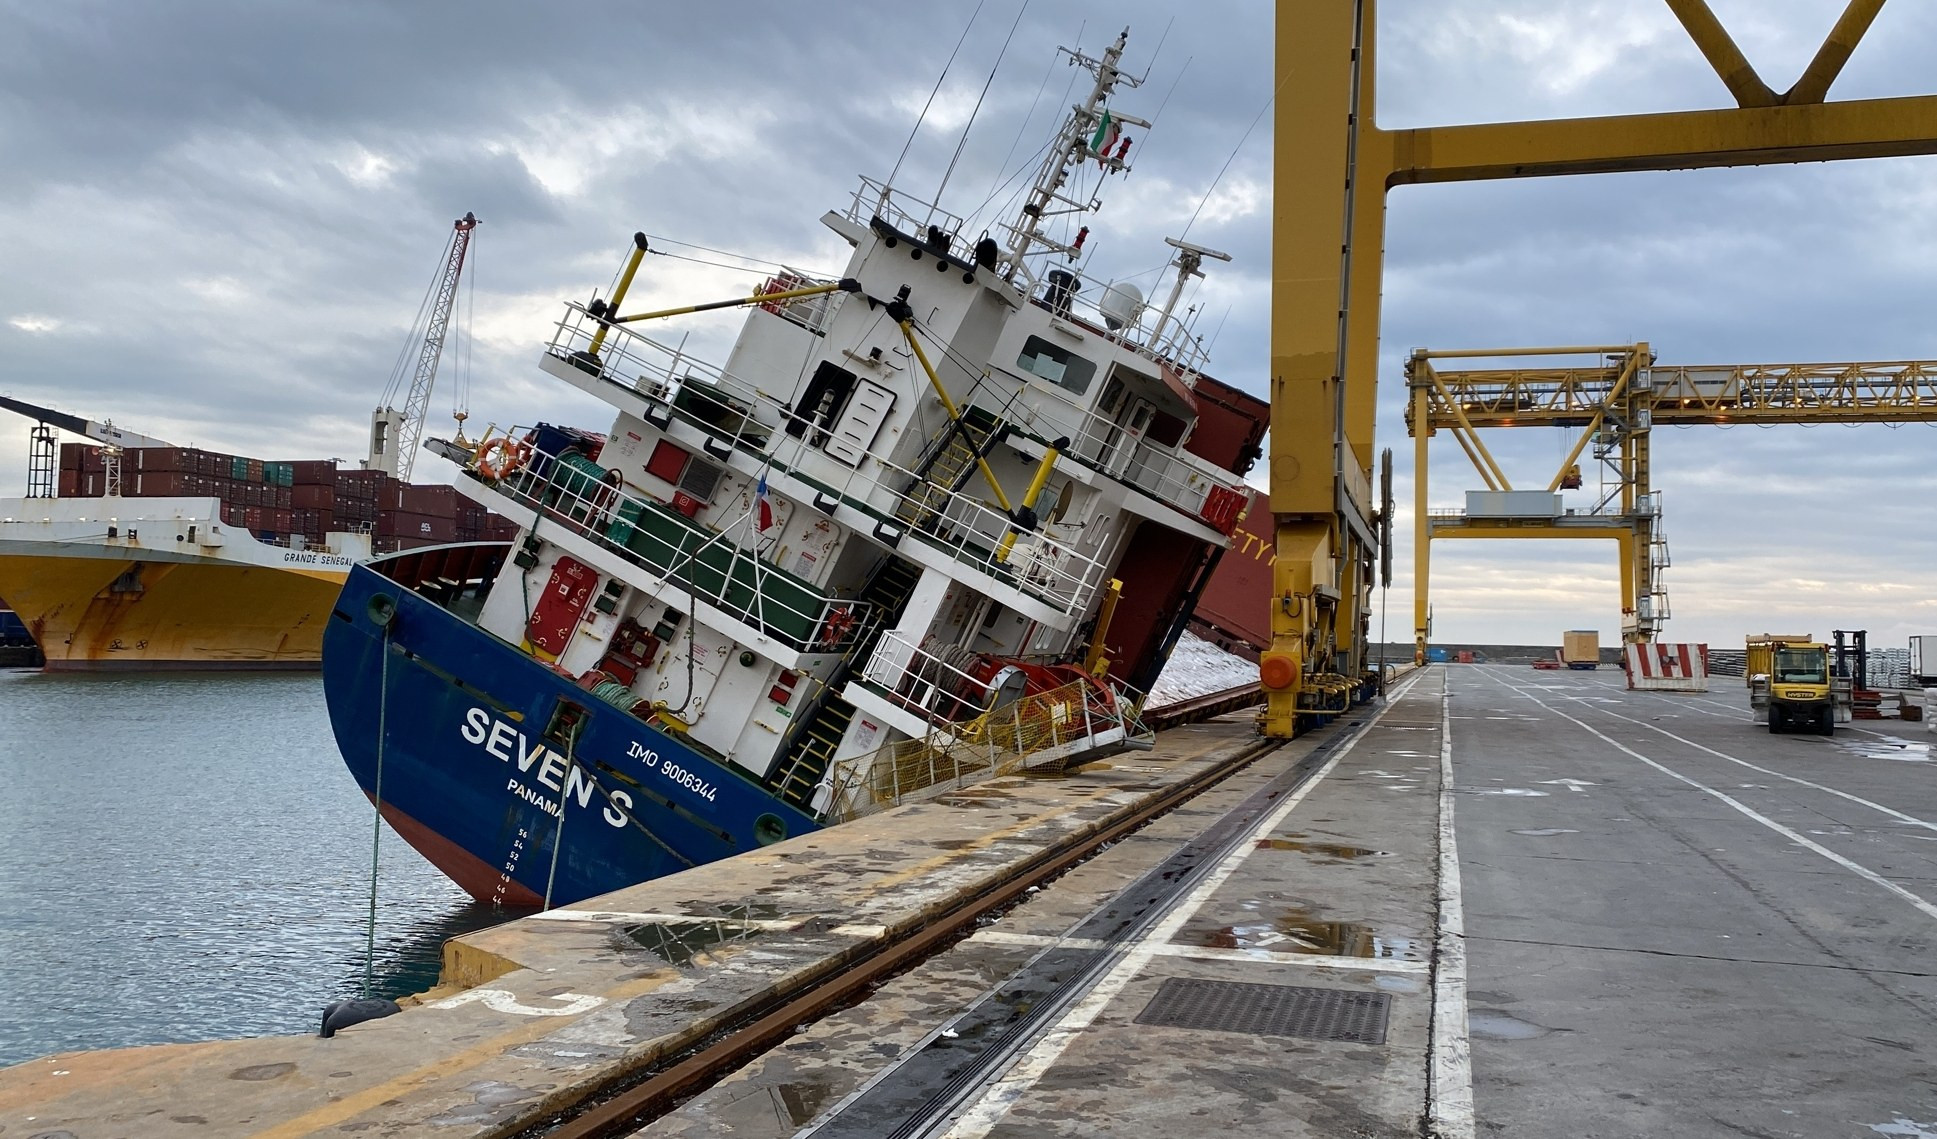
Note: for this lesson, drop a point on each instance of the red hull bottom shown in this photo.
(473, 875)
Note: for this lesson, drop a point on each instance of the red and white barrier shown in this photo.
(1668, 668)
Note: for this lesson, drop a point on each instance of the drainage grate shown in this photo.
(1270, 1010)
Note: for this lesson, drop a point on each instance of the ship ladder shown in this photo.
(809, 753)
(947, 467)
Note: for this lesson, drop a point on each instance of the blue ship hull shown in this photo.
(481, 775)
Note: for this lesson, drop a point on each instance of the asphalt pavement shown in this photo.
(1678, 924)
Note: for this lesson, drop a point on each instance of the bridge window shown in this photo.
(1065, 369)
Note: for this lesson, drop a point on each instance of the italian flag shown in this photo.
(1105, 136)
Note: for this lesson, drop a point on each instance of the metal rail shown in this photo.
(646, 1096)
(1204, 707)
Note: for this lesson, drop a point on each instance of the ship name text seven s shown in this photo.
(497, 738)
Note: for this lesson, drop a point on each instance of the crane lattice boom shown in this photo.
(400, 456)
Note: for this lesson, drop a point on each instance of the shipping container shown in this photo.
(309, 472)
(440, 501)
(157, 484)
(71, 456)
(1230, 425)
(401, 524)
(1233, 610)
(157, 459)
(312, 496)
(70, 483)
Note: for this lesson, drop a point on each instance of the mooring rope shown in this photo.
(376, 826)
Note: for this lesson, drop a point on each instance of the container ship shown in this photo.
(155, 557)
(936, 518)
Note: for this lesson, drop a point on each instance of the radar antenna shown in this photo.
(1188, 263)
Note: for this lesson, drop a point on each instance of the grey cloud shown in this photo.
(181, 195)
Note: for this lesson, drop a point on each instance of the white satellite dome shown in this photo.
(1121, 304)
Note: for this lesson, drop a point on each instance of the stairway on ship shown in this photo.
(806, 755)
(947, 467)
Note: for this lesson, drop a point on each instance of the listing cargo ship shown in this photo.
(939, 518)
(174, 557)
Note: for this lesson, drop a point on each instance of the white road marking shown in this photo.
(505, 1001)
(1449, 1094)
(1855, 868)
(982, 1116)
(1893, 813)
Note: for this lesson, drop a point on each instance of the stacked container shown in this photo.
(277, 500)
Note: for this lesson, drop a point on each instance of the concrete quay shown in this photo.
(1624, 914)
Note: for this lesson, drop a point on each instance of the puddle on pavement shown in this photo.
(1297, 931)
(1328, 849)
(800, 1101)
(973, 797)
(1492, 1024)
(1889, 747)
(1547, 832)
(677, 943)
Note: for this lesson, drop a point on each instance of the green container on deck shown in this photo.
(624, 521)
(722, 574)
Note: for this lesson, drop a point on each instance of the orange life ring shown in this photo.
(501, 456)
(838, 623)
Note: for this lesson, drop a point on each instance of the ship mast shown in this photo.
(1072, 149)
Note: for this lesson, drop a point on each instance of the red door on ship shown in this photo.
(561, 605)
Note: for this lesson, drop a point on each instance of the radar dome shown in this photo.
(1122, 303)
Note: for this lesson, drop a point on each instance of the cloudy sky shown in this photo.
(217, 221)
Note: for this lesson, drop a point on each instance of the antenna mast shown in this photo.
(1072, 149)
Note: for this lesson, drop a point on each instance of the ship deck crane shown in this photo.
(394, 433)
(1328, 248)
(40, 450)
(1615, 403)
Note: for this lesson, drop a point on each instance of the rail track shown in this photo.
(637, 1099)
(1204, 707)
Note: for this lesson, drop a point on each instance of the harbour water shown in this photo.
(185, 858)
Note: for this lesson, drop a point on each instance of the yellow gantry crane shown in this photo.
(1614, 403)
(1333, 166)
